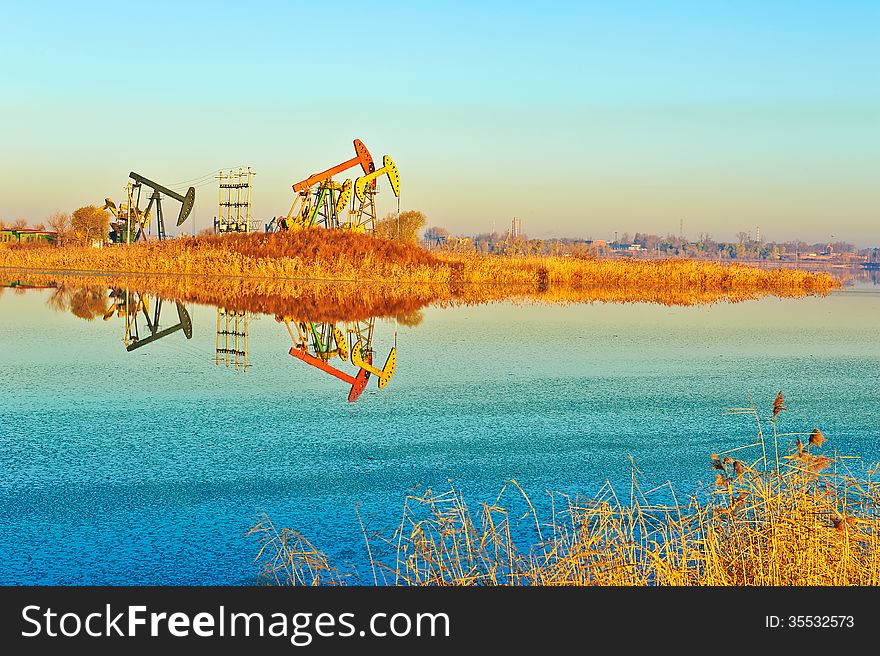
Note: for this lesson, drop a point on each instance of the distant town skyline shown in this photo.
(755, 234)
(579, 119)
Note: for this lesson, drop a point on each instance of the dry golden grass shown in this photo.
(320, 254)
(806, 518)
(313, 254)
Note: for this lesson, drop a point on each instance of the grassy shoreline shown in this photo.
(338, 275)
(335, 255)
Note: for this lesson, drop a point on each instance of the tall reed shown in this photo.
(805, 517)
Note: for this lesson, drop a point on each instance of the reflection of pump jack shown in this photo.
(384, 374)
(128, 223)
(328, 340)
(131, 304)
(119, 305)
(358, 382)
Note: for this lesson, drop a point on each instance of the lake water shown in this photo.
(149, 466)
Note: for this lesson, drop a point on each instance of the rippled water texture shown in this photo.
(148, 467)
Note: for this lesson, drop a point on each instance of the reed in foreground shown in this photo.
(805, 517)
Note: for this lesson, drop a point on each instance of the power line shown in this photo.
(199, 178)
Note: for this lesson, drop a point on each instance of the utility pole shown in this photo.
(128, 213)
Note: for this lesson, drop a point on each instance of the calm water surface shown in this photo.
(149, 466)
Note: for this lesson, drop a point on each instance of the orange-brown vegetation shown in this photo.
(314, 254)
(802, 519)
(89, 224)
(270, 261)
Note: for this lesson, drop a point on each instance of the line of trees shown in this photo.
(19, 224)
(641, 244)
(86, 225)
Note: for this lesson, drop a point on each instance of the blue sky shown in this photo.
(581, 119)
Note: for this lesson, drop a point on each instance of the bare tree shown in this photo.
(20, 224)
(59, 222)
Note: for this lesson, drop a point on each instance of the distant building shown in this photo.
(816, 256)
(515, 228)
(26, 235)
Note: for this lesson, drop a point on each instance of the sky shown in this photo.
(580, 119)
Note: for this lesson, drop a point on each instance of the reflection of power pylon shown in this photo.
(232, 338)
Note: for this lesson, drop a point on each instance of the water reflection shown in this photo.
(232, 338)
(344, 349)
(349, 300)
(142, 315)
(331, 324)
(871, 275)
(317, 344)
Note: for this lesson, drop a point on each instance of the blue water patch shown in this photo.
(148, 467)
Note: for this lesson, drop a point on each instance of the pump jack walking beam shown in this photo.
(389, 168)
(362, 157)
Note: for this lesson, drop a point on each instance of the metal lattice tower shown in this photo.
(363, 217)
(234, 213)
(232, 338)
